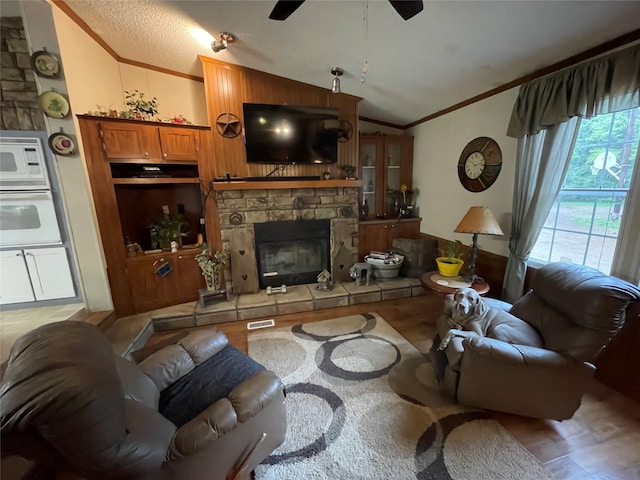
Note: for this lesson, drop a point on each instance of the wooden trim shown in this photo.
(88, 30)
(148, 66)
(555, 67)
(281, 184)
(380, 122)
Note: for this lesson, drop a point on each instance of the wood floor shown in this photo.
(601, 441)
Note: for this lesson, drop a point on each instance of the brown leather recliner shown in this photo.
(575, 309)
(69, 403)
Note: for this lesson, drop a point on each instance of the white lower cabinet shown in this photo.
(35, 274)
(15, 285)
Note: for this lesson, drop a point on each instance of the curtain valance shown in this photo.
(603, 85)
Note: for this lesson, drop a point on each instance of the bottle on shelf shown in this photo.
(364, 211)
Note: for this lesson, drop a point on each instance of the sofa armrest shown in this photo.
(516, 355)
(244, 402)
(172, 362)
(520, 379)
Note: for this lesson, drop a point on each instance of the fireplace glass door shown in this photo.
(291, 252)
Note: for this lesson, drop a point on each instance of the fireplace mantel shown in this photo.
(281, 184)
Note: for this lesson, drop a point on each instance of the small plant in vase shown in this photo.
(450, 261)
(211, 264)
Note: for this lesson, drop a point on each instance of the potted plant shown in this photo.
(450, 262)
(167, 229)
(211, 265)
(139, 107)
(349, 171)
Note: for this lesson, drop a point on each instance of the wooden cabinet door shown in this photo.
(128, 141)
(190, 276)
(151, 290)
(379, 236)
(372, 237)
(179, 144)
(372, 173)
(386, 163)
(408, 230)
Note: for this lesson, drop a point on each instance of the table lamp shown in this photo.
(477, 220)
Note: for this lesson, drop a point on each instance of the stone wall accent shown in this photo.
(19, 101)
(240, 209)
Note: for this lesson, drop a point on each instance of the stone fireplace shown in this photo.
(240, 210)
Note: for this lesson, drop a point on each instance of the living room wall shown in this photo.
(442, 201)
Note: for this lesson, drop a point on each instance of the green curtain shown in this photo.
(545, 119)
(603, 85)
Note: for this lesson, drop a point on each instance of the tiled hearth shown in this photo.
(130, 333)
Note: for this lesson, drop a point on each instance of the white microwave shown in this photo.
(22, 164)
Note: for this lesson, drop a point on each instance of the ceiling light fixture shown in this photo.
(225, 39)
(335, 85)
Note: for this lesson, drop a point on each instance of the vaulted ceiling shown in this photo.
(448, 53)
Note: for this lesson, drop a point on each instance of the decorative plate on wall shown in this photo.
(228, 125)
(62, 144)
(54, 104)
(45, 64)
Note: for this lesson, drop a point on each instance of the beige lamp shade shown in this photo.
(479, 220)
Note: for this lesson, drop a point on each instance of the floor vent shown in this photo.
(261, 324)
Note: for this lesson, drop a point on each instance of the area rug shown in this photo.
(363, 404)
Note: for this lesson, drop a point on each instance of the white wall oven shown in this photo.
(28, 218)
(27, 210)
(34, 265)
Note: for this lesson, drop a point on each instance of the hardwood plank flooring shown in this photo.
(601, 441)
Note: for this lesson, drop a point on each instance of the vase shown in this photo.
(212, 280)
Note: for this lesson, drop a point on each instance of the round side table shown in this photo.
(445, 285)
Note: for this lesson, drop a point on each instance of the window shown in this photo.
(583, 224)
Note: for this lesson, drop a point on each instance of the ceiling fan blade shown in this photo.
(407, 8)
(284, 8)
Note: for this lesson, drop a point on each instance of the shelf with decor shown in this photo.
(386, 163)
(134, 194)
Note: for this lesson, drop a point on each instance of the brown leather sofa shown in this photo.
(69, 403)
(575, 309)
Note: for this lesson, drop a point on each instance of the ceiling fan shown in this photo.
(405, 8)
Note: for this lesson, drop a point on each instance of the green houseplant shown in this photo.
(211, 264)
(450, 260)
(139, 107)
(167, 229)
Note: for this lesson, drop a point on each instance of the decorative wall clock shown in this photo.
(479, 164)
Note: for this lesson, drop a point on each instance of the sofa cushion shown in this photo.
(210, 381)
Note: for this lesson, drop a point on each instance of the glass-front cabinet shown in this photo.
(386, 163)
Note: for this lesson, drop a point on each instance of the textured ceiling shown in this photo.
(450, 52)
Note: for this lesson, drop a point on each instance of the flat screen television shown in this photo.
(290, 134)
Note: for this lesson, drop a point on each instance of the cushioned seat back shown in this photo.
(576, 309)
(58, 380)
(62, 403)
